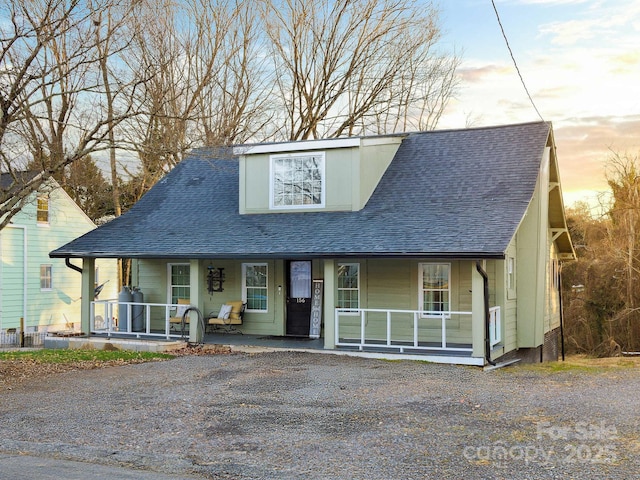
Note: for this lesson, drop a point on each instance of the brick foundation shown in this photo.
(549, 351)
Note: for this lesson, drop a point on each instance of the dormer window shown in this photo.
(297, 181)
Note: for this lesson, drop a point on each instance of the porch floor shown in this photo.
(235, 339)
(303, 343)
(266, 341)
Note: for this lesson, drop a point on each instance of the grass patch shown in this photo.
(81, 355)
(582, 363)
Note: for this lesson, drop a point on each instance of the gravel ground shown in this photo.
(289, 415)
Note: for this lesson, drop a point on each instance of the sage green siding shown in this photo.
(510, 302)
(21, 296)
(152, 277)
(384, 284)
(351, 176)
(255, 182)
(372, 162)
(532, 259)
(395, 284)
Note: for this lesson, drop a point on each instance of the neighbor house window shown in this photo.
(45, 277)
(254, 286)
(349, 285)
(435, 287)
(297, 180)
(179, 282)
(42, 211)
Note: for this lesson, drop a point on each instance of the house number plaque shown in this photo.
(316, 309)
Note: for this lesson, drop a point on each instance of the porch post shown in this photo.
(87, 293)
(477, 312)
(195, 330)
(329, 304)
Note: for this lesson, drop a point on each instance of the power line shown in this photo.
(504, 35)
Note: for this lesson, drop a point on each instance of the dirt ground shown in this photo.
(287, 415)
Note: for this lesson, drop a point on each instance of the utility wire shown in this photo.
(514, 61)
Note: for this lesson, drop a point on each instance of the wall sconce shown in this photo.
(215, 279)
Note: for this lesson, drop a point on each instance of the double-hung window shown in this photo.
(179, 282)
(46, 277)
(297, 181)
(42, 210)
(349, 285)
(435, 288)
(254, 286)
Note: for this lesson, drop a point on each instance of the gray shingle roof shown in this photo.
(12, 182)
(454, 193)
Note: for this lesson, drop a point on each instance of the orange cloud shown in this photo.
(625, 63)
(585, 145)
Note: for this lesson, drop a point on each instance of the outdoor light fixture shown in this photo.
(215, 279)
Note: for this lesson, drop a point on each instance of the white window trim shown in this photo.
(50, 287)
(272, 159)
(170, 283)
(357, 289)
(308, 145)
(244, 285)
(46, 223)
(421, 288)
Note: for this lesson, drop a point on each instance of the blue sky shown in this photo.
(580, 60)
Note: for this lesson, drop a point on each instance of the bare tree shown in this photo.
(50, 92)
(623, 176)
(353, 67)
(603, 306)
(234, 106)
(199, 63)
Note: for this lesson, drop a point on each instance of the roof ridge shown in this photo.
(484, 127)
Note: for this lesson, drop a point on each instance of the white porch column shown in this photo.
(477, 309)
(329, 304)
(195, 331)
(87, 293)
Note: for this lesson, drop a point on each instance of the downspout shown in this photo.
(561, 310)
(487, 317)
(67, 262)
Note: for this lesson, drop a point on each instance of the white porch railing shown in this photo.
(412, 330)
(151, 319)
(495, 327)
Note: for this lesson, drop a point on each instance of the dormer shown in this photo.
(313, 176)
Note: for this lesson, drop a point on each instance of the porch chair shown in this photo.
(230, 315)
(179, 322)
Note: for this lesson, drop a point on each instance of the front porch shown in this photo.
(249, 344)
(441, 337)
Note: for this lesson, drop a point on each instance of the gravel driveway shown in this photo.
(288, 415)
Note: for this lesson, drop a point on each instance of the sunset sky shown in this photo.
(580, 60)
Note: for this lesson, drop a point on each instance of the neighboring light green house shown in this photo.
(44, 291)
(441, 245)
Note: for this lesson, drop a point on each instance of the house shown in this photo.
(440, 245)
(42, 291)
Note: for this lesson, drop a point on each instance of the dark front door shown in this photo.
(298, 297)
